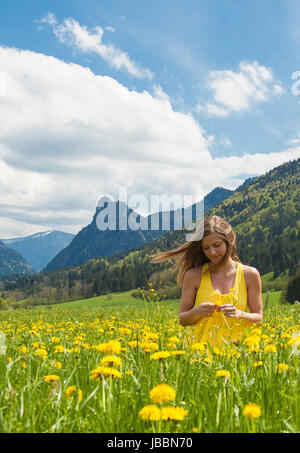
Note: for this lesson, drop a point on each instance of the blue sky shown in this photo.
(160, 97)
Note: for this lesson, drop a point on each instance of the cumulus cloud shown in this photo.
(68, 136)
(72, 33)
(238, 91)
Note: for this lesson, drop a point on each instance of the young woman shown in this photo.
(217, 289)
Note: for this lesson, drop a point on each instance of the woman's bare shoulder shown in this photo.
(251, 274)
(193, 276)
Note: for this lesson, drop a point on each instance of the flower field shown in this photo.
(133, 371)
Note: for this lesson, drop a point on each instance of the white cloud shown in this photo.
(72, 33)
(238, 91)
(294, 141)
(255, 163)
(68, 136)
(109, 28)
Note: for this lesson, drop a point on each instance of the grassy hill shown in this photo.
(122, 300)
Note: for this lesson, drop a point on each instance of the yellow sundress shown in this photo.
(219, 329)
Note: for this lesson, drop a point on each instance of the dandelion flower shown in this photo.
(162, 393)
(198, 347)
(160, 355)
(23, 349)
(252, 341)
(252, 410)
(259, 363)
(132, 344)
(149, 347)
(111, 361)
(270, 348)
(112, 347)
(282, 367)
(71, 390)
(103, 371)
(41, 353)
(58, 349)
(223, 373)
(173, 413)
(177, 353)
(150, 412)
(51, 378)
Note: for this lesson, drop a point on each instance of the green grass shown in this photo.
(269, 277)
(124, 299)
(213, 404)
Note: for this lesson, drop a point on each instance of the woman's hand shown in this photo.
(230, 310)
(206, 309)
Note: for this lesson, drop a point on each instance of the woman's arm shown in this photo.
(255, 303)
(188, 314)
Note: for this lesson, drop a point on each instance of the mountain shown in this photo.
(90, 242)
(39, 248)
(12, 263)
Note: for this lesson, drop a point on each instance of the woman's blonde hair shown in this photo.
(191, 255)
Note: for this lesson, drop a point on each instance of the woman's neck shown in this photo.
(226, 267)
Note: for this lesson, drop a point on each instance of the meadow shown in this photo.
(126, 367)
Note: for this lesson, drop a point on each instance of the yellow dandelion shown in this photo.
(162, 393)
(73, 389)
(259, 363)
(75, 350)
(198, 347)
(58, 349)
(149, 347)
(150, 412)
(208, 359)
(252, 341)
(132, 344)
(223, 373)
(103, 371)
(112, 347)
(177, 354)
(282, 367)
(41, 353)
(160, 355)
(111, 361)
(270, 348)
(51, 378)
(23, 349)
(129, 372)
(252, 410)
(173, 413)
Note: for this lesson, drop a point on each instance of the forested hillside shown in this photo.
(12, 263)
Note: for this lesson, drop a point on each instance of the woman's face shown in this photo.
(214, 247)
